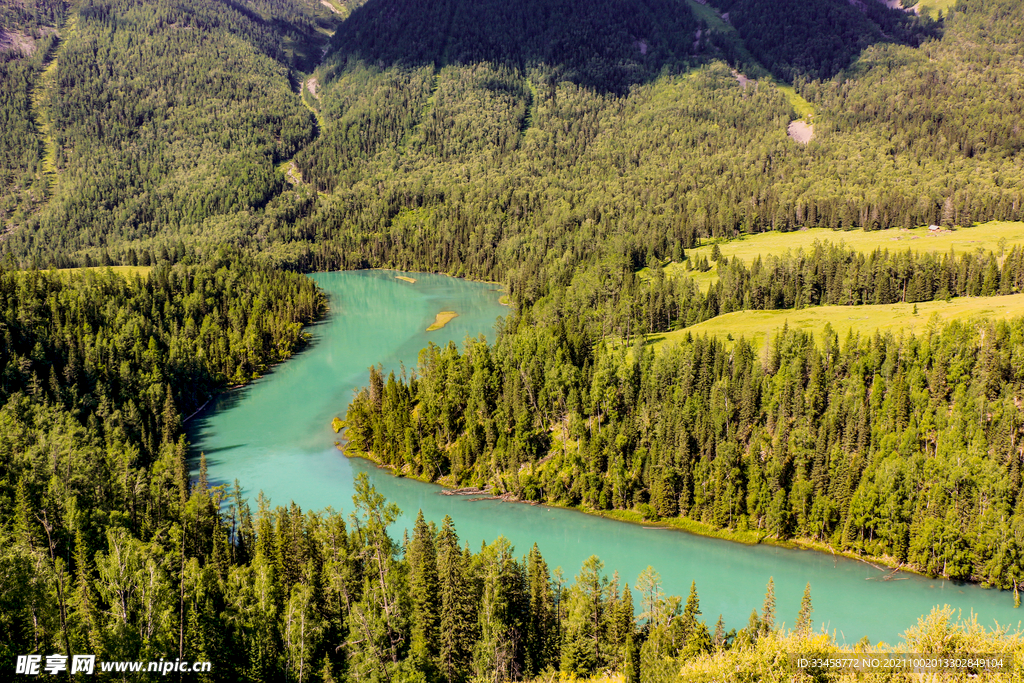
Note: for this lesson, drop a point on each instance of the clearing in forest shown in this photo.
(933, 7)
(142, 271)
(996, 236)
(17, 42)
(760, 326)
(801, 131)
(42, 101)
(291, 172)
(987, 236)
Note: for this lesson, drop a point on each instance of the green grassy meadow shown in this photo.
(142, 271)
(933, 7)
(994, 236)
(760, 326)
(986, 236)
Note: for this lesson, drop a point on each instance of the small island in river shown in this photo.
(442, 319)
(410, 280)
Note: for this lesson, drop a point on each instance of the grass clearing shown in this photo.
(442, 319)
(933, 7)
(803, 108)
(714, 21)
(142, 271)
(995, 236)
(42, 102)
(340, 10)
(759, 326)
(291, 172)
(986, 236)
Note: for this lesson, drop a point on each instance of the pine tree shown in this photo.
(541, 614)
(456, 611)
(83, 599)
(698, 642)
(593, 585)
(803, 619)
(691, 611)
(25, 526)
(718, 640)
(625, 618)
(631, 665)
(768, 611)
(422, 561)
(504, 606)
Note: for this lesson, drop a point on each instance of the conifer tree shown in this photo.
(691, 611)
(423, 591)
(768, 610)
(718, 640)
(25, 526)
(631, 665)
(456, 609)
(540, 639)
(83, 599)
(803, 619)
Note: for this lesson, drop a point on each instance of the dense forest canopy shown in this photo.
(217, 146)
(787, 36)
(461, 147)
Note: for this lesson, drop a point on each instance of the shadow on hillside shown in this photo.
(610, 45)
(607, 45)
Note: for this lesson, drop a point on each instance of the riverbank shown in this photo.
(886, 566)
(302, 343)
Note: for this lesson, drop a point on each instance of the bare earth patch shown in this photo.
(801, 131)
(311, 85)
(442, 319)
(331, 7)
(292, 173)
(743, 80)
(16, 42)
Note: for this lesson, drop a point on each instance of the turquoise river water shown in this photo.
(274, 435)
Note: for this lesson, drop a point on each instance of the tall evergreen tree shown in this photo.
(541, 640)
(803, 619)
(423, 590)
(768, 610)
(457, 612)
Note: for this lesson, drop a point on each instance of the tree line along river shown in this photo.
(275, 435)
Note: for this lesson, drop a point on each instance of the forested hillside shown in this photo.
(790, 441)
(569, 151)
(465, 168)
(789, 37)
(161, 118)
(460, 147)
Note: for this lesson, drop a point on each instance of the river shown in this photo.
(274, 435)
